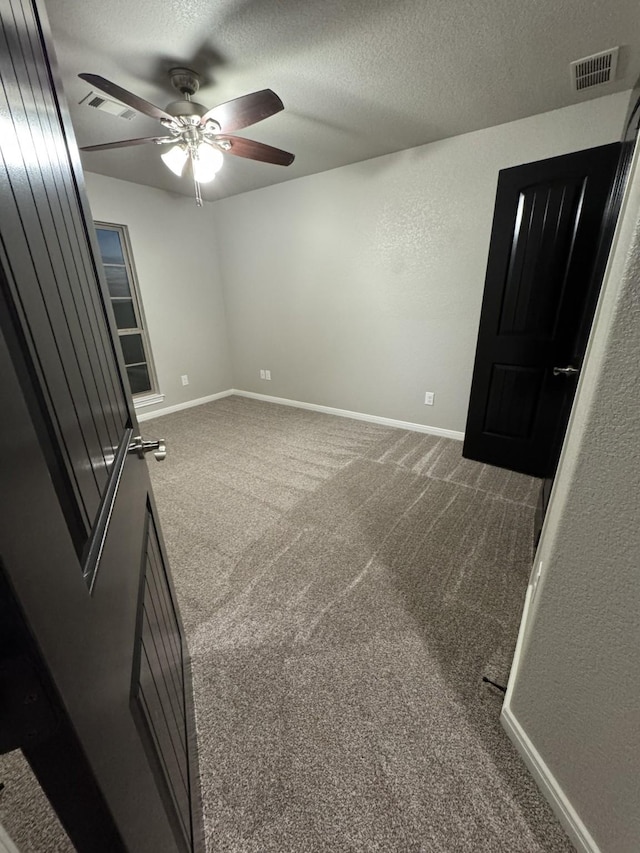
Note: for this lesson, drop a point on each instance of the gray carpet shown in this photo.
(344, 587)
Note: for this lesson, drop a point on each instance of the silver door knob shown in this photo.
(139, 446)
(566, 371)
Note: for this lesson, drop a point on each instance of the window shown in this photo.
(117, 261)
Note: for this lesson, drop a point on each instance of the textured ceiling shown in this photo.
(359, 78)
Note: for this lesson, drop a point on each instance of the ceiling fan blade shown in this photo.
(126, 97)
(241, 112)
(253, 150)
(124, 143)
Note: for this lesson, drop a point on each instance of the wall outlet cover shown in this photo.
(428, 398)
(185, 379)
(262, 376)
(267, 374)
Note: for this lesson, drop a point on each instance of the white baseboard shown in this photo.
(314, 407)
(548, 784)
(6, 844)
(538, 768)
(149, 400)
(358, 416)
(147, 416)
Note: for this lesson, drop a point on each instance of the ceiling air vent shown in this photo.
(594, 70)
(99, 102)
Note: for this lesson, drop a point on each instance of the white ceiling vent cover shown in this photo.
(99, 102)
(594, 70)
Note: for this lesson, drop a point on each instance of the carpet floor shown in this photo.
(344, 588)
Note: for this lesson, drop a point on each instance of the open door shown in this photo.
(94, 676)
(545, 267)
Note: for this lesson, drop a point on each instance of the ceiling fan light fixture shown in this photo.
(207, 161)
(175, 158)
(196, 133)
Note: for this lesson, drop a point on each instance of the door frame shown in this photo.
(572, 470)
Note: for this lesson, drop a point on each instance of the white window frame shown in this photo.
(144, 398)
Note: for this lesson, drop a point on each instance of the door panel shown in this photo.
(541, 278)
(82, 562)
(61, 321)
(542, 250)
(158, 687)
(512, 400)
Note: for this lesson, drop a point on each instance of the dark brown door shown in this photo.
(540, 292)
(93, 666)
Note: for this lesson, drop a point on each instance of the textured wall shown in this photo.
(178, 273)
(576, 690)
(360, 288)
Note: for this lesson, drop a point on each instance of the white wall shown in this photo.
(574, 695)
(360, 288)
(175, 255)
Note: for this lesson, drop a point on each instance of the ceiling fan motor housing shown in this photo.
(189, 110)
(186, 81)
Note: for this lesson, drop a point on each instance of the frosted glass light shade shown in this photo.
(206, 163)
(175, 158)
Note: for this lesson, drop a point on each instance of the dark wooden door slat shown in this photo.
(70, 248)
(61, 304)
(53, 380)
(73, 444)
(177, 796)
(56, 347)
(77, 236)
(156, 578)
(40, 252)
(172, 631)
(163, 577)
(158, 632)
(172, 751)
(160, 668)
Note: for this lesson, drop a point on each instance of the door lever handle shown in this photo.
(140, 447)
(566, 371)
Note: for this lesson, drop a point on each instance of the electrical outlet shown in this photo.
(267, 374)
(262, 376)
(185, 379)
(428, 398)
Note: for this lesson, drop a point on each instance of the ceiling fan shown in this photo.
(195, 133)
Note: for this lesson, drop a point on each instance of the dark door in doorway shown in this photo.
(93, 664)
(540, 293)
